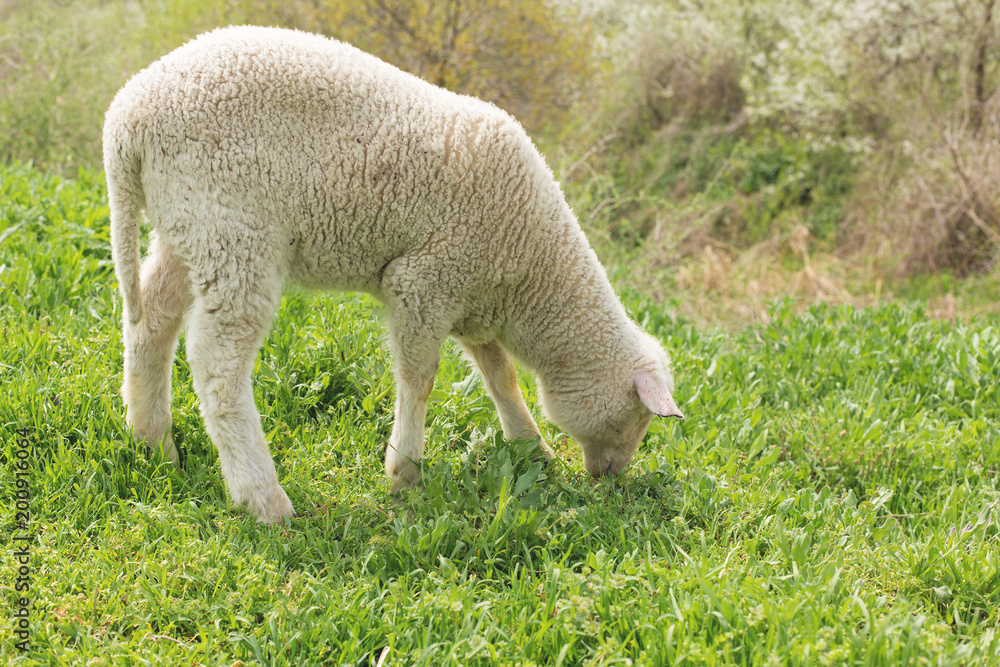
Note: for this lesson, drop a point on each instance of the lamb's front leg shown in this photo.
(414, 381)
(420, 317)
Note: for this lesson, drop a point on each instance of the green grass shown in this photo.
(831, 498)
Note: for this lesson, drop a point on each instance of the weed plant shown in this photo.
(831, 498)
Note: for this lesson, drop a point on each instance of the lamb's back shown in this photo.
(355, 161)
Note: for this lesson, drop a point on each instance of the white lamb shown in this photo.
(264, 157)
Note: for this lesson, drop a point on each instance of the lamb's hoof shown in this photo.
(170, 450)
(278, 516)
(401, 484)
(404, 473)
(546, 451)
(270, 507)
(161, 446)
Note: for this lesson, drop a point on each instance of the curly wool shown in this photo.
(264, 157)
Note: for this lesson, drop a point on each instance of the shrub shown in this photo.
(59, 70)
(732, 124)
(942, 212)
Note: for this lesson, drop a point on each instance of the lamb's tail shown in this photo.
(123, 170)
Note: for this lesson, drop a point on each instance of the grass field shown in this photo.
(832, 498)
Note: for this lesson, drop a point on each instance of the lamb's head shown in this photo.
(608, 413)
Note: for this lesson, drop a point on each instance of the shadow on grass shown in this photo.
(492, 510)
(504, 507)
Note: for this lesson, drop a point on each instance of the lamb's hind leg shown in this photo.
(150, 345)
(224, 333)
(500, 377)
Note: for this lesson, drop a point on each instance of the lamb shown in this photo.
(264, 157)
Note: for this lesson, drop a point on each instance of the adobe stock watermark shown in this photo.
(21, 540)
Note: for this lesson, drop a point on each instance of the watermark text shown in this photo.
(21, 540)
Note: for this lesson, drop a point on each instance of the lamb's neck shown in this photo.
(572, 324)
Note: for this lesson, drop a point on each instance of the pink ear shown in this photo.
(656, 397)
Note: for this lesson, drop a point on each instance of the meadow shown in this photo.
(831, 498)
(798, 197)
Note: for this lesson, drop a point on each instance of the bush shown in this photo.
(734, 124)
(60, 71)
(941, 214)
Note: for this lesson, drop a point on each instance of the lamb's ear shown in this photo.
(656, 397)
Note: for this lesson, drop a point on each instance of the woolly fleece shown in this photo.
(263, 157)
